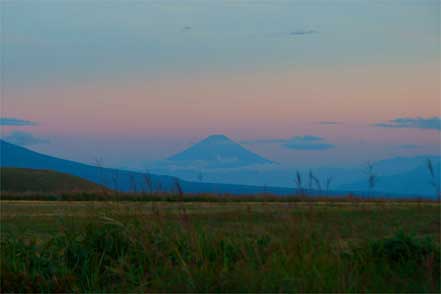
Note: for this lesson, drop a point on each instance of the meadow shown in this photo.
(208, 245)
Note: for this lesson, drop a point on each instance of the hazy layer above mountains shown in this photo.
(122, 180)
(203, 168)
(203, 162)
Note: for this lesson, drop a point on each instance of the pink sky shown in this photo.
(144, 81)
(173, 112)
(267, 104)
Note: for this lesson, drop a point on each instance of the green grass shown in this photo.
(108, 195)
(339, 246)
(19, 180)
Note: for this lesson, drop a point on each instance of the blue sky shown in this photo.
(77, 39)
(148, 78)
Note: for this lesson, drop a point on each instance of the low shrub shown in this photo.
(403, 247)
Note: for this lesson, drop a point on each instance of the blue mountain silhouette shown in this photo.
(15, 156)
(218, 151)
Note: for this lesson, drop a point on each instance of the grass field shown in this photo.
(319, 246)
(20, 180)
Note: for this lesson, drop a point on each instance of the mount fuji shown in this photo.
(217, 151)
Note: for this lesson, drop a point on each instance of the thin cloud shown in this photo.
(409, 146)
(329, 122)
(302, 32)
(430, 123)
(306, 142)
(186, 28)
(24, 139)
(295, 33)
(264, 141)
(12, 121)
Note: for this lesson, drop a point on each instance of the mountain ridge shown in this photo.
(217, 151)
(131, 181)
(39, 180)
(127, 181)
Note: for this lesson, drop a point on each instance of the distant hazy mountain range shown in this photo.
(217, 151)
(231, 169)
(219, 159)
(415, 180)
(16, 156)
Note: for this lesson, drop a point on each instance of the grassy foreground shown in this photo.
(57, 246)
(20, 180)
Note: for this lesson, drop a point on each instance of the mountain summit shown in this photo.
(218, 151)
